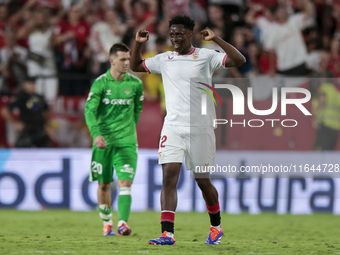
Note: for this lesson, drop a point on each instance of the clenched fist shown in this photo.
(142, 36)
(207, 34)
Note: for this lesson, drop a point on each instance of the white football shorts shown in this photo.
(196, 144)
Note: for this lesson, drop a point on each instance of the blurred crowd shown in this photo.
(63, 44)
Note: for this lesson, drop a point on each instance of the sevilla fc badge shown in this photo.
(195, 56)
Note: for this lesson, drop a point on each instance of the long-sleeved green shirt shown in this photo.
(113, 108)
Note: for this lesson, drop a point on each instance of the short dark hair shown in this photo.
(30, 79)
(118, 47)
(184, 20)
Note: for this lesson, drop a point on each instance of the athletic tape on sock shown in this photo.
(105, 213)
(125, 191)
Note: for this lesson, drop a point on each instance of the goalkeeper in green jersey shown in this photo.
(112, 111)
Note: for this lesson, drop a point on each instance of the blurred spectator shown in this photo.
(314, 57)
(263, 25)
(3, 22)
(172, 8)
(216, 18)
(233, 7)
(34, 115)
(238, 42)
(103, 35)
(197, 40)
(145, 13)
(197, 11)
(265, 3)
(96, 7)
(254, 52)
(325, 16)
(336, 14)
(262, 20)
(12, 64)
(73, 52)
(129, 35)
(326, 116)
(162, 30)
(334, 59)
(287, 42)
(41, 60)
(57, 14)
(83, 32)
(21, 17)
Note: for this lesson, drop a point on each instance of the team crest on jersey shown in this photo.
(159, 155)
(108, 92)
(127, 92)
(195, 56)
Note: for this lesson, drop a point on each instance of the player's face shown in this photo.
(180, 38)
(281, 15)
(121, 62)
(29, 87)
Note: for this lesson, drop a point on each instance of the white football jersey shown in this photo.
(181, 93)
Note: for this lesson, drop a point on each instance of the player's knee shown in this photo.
(124, 183)
(104, 187)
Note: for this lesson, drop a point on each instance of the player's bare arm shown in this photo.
(136, 61)
(308, 9)
(235, 58)
(99, 141)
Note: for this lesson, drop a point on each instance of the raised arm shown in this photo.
(235, 58)
(308, 8)
(16, 17)
(136, 61)
(250, 16)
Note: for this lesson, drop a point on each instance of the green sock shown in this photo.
(105, 213)
(124, 203)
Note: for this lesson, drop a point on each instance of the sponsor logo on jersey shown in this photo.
(127, 169)
(127, 92)
(195, 56)
(106, 100)
(108, 92)
(117, 101)
(170, 57)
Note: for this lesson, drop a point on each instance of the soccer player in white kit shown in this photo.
(177, 68)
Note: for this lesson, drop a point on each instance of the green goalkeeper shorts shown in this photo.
(104, 161)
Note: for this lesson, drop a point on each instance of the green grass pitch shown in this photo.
(67, 232)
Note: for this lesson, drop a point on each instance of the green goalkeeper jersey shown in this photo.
(113, 108)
